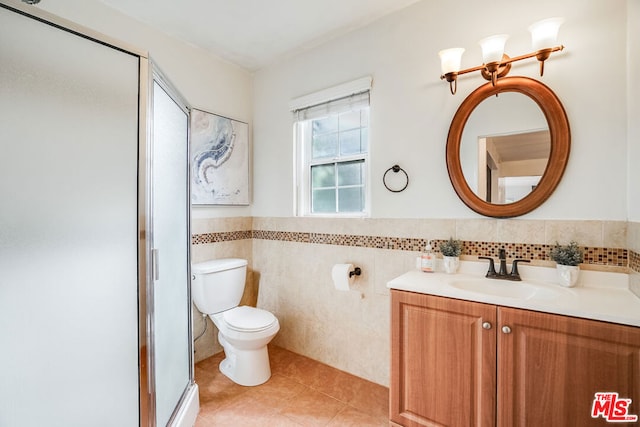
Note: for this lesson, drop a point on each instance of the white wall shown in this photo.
(206, 82)
(411, 108)
(633, 98)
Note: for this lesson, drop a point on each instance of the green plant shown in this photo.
(569, 254)
(451, 247)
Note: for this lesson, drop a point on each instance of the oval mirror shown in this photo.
(507, 153)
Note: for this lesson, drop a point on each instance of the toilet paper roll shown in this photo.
(340, 276)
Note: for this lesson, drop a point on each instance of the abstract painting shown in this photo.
(219, 160)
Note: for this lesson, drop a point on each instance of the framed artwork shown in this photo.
(219, 160)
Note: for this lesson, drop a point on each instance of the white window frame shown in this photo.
(302, 155)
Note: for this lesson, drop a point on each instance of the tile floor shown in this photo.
(300, 392)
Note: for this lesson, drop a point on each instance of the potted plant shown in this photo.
(451, 250)
(568, 259)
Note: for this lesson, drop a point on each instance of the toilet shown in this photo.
(244, 332)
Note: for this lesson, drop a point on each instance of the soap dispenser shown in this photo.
(428, 259)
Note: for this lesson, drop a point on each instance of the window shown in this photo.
(332, 148)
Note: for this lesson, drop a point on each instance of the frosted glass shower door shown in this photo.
(171, 312)
(68, 228)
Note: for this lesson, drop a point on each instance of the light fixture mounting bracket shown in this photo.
(503, 68)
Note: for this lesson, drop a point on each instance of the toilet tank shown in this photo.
(218, 285)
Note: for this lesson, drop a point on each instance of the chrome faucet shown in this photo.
(502, 272)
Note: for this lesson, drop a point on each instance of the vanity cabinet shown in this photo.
(461, 363)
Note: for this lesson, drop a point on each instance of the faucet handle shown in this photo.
(492, 268)
(514, 268)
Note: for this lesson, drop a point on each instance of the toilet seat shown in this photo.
(248, 319)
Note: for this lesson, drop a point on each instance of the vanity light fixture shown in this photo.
(495, 63)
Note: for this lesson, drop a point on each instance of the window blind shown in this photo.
(348, 103)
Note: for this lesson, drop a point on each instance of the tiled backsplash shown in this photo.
(291, 259)
(593, 256)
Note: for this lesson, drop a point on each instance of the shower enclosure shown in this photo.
(95, 309)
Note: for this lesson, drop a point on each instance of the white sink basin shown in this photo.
(504, 288)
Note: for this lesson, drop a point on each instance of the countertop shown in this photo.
(597, 296)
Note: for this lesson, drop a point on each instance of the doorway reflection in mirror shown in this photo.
(505, 148)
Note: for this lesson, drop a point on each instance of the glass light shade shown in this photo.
(493, 48)
(544, 34)
(450, 59)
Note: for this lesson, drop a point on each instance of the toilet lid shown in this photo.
(246, 318)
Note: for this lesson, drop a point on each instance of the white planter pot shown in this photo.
(568, 275)
(451, 264)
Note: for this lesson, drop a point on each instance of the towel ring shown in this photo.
(395, 169)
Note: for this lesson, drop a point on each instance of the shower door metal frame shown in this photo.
(146, 397)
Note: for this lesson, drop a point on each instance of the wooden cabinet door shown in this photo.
(443, 361)
(550, 367)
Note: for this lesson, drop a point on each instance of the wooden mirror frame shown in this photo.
(560, 146)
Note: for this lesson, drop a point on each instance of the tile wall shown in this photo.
(633, 244)
(291, 260)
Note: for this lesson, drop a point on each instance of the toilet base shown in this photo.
(245, 367)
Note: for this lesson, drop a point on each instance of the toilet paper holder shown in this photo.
(356, 272)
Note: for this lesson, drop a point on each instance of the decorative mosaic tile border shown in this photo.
(227, 236)
(616, 257)
(634, 261)
(286, 236)
(592, 255)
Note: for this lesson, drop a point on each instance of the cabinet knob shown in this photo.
(506, 330)
(486, 325)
